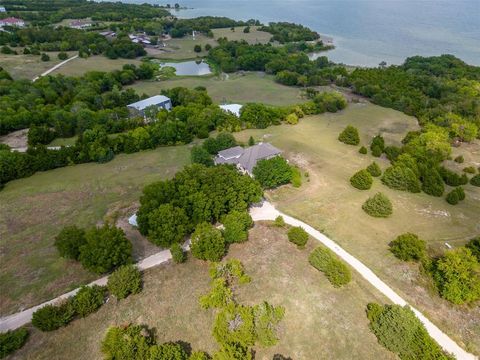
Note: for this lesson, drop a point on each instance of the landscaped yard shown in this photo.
(320, 321)
(253, 37)
(250, 87)
(33, 210)
(329, 203)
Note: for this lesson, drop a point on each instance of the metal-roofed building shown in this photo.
(159, 101)
(246, 159)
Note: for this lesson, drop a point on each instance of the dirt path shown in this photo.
(54, 68)
(268, 212)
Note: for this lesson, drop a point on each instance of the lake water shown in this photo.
(189, 68)
(366, 32)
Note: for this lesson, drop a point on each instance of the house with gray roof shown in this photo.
(245, 159)
(159, 101)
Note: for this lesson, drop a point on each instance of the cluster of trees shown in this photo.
(400, 331)
(99, 249)
(204, 24)
(271, 173)
(335, 270)
(289, 63)
(285, 32)
(203, 154)
(171, 209)
(455, 273)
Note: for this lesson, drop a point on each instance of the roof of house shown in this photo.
(154, 100)
(233, 108)
(11, 20)
(249, 156)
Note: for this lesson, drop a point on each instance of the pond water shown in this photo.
(189, 68)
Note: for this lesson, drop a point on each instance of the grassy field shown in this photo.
(329, 203)
(251, 87)
(182, 48)
(28, 66)
(253, 37)
(80, 66)
(33, 210)
(320, 322)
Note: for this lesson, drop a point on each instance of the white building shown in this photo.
(2, 9)
(159, 101)
(232, 108)
(11, 21)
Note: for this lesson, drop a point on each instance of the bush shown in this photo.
(455, 196)
(273, 172)
(298, 236)
(267, 318)
(235, 324)
(208, 47)
(88, 300)
(475, 181)
(363, 150)
(392, 152)
(126, 280)
(474, 246)
(432, 182)
(377, 146)
(296, 177)
(52, 317)
(128, 342)
(459, 159)
(167, 351)
(167, 224)
(374, 169)
(470, 170)
(361, 180)
(279, 221)
(45, 57)
(401, 178)
(400, 331)
(220, 295)
(408, 247)
(236, 225)
(178, 255)
(207, 243)
(197, 48)
(69, 241)
(199, 355)
(199, 155)
(451, 178)
(335, 270)
(456, 275)
(378, 206)
(292, 119)
(105, 249)
(349, 136)
(12, 340)
(62, 55)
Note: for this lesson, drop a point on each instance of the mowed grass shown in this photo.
(250, 87)
(33, 210)
(255, 36)
(329, 203)
(28, 66)
(182, 48)
(320, 322)
(80, 66)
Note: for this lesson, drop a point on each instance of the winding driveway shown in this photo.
(268, 212)
(54, 68)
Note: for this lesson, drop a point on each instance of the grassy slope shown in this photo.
(329, 203)
(320, 321)
(252, 87)
(34, 209)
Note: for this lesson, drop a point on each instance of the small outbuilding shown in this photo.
(159, 101)
(232, 108)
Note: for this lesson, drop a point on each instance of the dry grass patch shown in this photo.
(80, 66)
(255, 36)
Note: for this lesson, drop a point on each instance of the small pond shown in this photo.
(189, 68)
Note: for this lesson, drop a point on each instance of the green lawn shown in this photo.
(253, 37)
(34, 209)
(182, 48)
(320, 321)
(64, 141)
(329, 203)
(251, 87)
(80, 66)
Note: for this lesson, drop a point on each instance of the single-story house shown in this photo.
(140, 39)
(11, 21)
(159, 101)
(80, 24)
(245, 159)
(2, 9)
(232, 108)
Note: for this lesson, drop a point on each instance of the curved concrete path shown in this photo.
(268, 212)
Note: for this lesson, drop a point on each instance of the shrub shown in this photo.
(88, 300)
(207, 243)
(235, 324)
(292, 119)
(12, 340)
(377, 146)
(199, 355)
(401, 178)
(296, 177)
(361, 180)
(459, 159)
(451, 178)
(167, 224)
(408, 247)
(197, 48)
(69, 241)
(335, 270)
(363, 150)
(45, 57)
(474, 246)
(456, 275)
(62, 55)
(220, 295)
(273, 172)
(432, 182)
(128, 342)
(208, 47)
(349, 136)
(199, 155)
(298, 236)
(374, 169)
(392, 152)
(279, 221)
(126, 280)
(167, 351)
(52, 317)
(455, 196)
(266, 318)
(475, 181)
(400, 331)
(470, 169)
(105, 249)
(236, 225)
(378, 206)
(178, 255)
